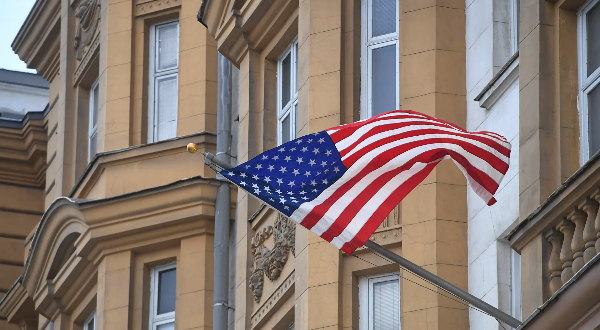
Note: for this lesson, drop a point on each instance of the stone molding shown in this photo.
(386, 236)
(273, 300)
(87, 57)
(143, 7)
(267, 262)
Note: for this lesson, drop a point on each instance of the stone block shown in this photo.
(117, 116)
(116, 141)
(115, 318)
(12, 251)
(120, 17)
(324, 52)
(120, 82)
(323, 264)
(323, 309)
(119, 48)
(324, 95)
(194, 309)
(434, 242)
(116, 290)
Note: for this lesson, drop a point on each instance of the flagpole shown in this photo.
(440, 282)
(406, 264)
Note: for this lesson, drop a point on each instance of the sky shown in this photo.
(12, 15)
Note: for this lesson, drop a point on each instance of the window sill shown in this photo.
(493, 91)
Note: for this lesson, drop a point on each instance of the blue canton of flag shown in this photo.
(292, 174)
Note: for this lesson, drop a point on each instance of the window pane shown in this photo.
(593, 39)
(285, 129)
(166, 291)
(166, 326)
(594, 119)
(91, 324)
(93, 145)
(95, 105)
(167, 47)
(386, 305)
(383, 92)
(285, 80)
(166, 107)
(384, 17)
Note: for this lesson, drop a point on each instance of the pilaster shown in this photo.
(318, 289)
(434, 215)
(115, 78)
(114, 291)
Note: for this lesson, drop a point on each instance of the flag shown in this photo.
(341, 183)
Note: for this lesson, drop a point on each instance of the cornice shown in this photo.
(136, 153)
(38, 38)
(23, 150)
(248, 28)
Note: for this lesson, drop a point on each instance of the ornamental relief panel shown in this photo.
(143, 7)
(87, 17)
(269, 263)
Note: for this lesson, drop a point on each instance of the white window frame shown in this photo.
(289, 109)
(85, 324)
(91, 128)
(515, 278)
(156, 319)
(365, 292)
(155, 75)
(368, 45)
(586, 83)
(514, 24)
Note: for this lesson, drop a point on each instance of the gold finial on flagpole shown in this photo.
(192, 148)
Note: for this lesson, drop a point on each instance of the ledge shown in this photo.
(494, 90)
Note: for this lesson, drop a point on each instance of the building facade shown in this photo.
(308, 65)
(112, 222)
(105, 220)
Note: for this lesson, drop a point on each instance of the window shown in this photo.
(515, 262)
(162, 297)
(379, 58)
(93, 120)
(164, 68)
(589, 77)
(287, 93)
(89, 324)
(379, 302)
(515, 16)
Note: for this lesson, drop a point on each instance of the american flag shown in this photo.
(342, 182)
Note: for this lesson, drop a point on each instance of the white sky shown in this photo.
(12, 16)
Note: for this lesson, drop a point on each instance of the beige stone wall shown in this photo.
(429, 229)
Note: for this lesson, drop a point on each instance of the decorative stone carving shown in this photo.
(143, 7)
(87, 17)
(267, 262)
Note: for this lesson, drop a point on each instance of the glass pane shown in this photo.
(383, 89)
(93, 145)
(95, 105)
(91, 324)
(384, 17)
(166, 291)
(285, 130)
(285, 80)
(166, 107)
(594, 119)
(166, 326)
(386, 305)
(593, 38)
(167, 47)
